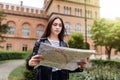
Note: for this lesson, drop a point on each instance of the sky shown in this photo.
(109, 9)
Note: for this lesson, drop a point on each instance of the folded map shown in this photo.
(62, 57)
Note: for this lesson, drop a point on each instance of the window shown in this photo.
(89, 14)
(88, 30)
(77, 27)
(11, 30)
(26, 31)
(9, 47)
(67, 27)
(116, 52)
(95, 14)
(24, 48)
(67, 10)
(78, 12)
(58, 8)
(40, 32)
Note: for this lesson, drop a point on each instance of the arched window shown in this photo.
(39, 30)
(12, 28)
(77, 28)
(26, 30)
(67, 27)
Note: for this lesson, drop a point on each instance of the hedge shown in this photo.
(8, 55)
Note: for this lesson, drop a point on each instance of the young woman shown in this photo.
(53, 35)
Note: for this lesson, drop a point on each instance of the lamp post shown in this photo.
(85, 25)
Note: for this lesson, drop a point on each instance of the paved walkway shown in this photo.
(6, 68)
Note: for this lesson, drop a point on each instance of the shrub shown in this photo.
(30, 74)
(100, 70)
(76, 41)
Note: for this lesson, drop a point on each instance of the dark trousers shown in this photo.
(60, 75)
(45, 73)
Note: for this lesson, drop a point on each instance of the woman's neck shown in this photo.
(55, 38)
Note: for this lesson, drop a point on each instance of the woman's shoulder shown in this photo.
(63, 43)
(41, 39)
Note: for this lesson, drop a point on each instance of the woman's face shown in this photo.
(56, 27)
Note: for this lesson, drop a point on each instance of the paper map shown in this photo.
(62, 57)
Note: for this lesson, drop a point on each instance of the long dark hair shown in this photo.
(48, 28)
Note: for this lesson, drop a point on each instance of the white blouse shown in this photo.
(55, 44)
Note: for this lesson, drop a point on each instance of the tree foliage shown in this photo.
(76, 41)
(4, 28)
(106, 33)
(115, 35)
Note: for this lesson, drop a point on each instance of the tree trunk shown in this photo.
(109, 54)
(108, 49)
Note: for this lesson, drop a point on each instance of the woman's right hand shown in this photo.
(35, 60)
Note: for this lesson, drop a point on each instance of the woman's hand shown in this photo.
(35, 60)
(83, 63)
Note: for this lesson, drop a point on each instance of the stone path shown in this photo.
(6, 68)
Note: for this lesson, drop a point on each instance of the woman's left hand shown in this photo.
(83, 63)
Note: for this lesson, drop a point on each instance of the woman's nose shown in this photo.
(58, 26)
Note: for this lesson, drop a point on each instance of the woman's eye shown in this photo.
(55, 24)
(60, 25)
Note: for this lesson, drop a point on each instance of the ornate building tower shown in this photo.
(78, 15)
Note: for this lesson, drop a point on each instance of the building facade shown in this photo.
(28, 23)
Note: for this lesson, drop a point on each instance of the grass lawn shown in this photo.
(18, 73)
(2, 62)
(5, 61)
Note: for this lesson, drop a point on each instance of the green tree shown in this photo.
(4, 28)
(105, 33)
(76, 41)
(115, 35)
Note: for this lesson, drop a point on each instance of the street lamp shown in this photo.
(85, 25)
